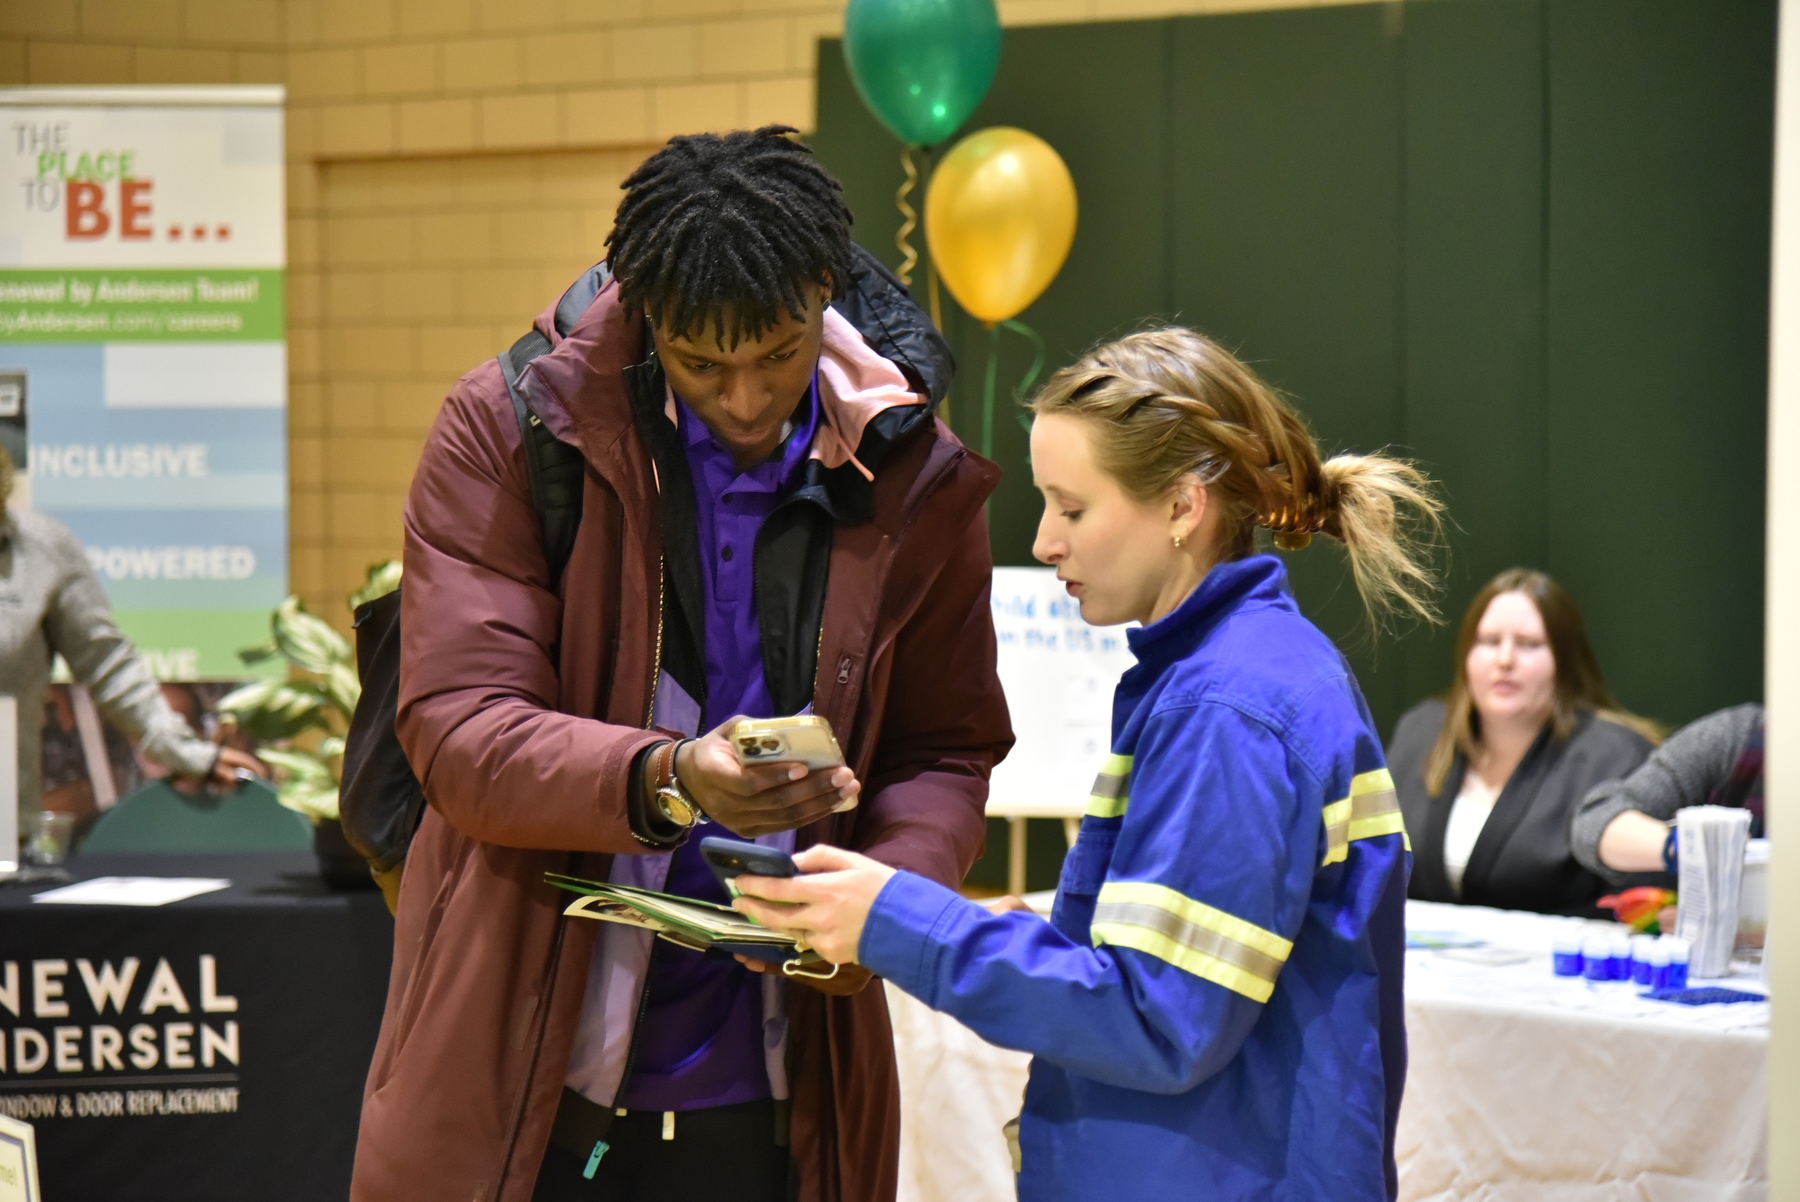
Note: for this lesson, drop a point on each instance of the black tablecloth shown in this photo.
(243, 1086)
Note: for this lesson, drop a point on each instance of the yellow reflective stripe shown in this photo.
(1207, 968)
(1371, 810)
(1390, 823)
(1191, 935)
(1112, 787)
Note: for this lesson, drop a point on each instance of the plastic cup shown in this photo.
(1640, 959)
(1678, 964)
(1618, 951)
(48, 835)
(1659, 963)
(1565, 954)
(1596, 958)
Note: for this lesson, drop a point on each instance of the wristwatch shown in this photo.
(671, 800)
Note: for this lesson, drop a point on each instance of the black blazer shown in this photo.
(1522, 860)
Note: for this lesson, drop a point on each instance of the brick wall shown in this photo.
(452, 164)
(425, 267)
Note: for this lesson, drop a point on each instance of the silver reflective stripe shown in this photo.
(1108, 786)
(1194, 938)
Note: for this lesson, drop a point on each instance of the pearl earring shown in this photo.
(1177, 540)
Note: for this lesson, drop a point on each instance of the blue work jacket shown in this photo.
(1214, 1008)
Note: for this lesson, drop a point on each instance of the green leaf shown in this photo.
(299, 767)
(274, 709)
(331, 748)
(383, 579)
(342, 687)
(303, 781)
(308, 642)
(260, 652)
(319, 805)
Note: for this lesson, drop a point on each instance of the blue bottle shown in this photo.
(1565, 954)
(1678, 964)
(1596, 958)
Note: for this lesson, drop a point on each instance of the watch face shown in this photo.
(675, 807)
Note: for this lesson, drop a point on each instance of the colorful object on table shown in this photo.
(1642, 962)
(1710, 995)
(922, 65)
(1638, 908)
(999, 219)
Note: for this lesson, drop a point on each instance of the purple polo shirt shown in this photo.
(701, 1043)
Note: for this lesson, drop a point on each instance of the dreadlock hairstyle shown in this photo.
(718, 228)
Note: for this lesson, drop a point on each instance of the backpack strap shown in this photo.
(554, 468)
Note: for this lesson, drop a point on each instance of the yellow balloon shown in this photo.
(999, 218)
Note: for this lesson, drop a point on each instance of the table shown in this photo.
(1522, 1087)
(1016, 808)
(245, 1032)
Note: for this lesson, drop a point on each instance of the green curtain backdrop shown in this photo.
(1523, 241)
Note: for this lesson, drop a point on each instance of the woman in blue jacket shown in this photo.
(1214, 1006)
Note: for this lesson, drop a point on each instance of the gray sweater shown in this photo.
(51, 603)
(1693, 762)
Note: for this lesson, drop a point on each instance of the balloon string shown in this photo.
(909, 258)
(987, 393)
(1023, 388)
(937, 313)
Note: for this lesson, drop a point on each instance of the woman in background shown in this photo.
(52, 603)
(1489, 776)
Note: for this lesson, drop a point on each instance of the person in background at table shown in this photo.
(1214, 1007)
(52, 603)
(1627, 826)
(1489, 775)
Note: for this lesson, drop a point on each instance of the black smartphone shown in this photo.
(728, 857)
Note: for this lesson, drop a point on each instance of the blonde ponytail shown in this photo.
(1170, 403)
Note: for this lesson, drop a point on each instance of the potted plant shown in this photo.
(299, 722)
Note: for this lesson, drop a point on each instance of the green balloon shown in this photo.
(922, 65)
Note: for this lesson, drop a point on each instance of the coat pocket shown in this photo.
(412, 999)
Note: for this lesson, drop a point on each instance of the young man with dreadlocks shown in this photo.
(772, 522)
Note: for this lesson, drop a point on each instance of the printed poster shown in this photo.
(143, 356)
(1059, 674)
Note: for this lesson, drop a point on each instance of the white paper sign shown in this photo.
(18, 1162)
(131, 890)
(1059, 674)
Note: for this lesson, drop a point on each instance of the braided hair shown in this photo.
(1170, 404)
(718, 228)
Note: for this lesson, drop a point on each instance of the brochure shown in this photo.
(688, 922)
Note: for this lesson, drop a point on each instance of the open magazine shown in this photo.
(702, 926)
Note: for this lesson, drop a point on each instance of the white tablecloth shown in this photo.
(1523, 1087)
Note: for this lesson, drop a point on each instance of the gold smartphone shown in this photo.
(806, 739)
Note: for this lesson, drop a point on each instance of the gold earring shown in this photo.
(1177, 540)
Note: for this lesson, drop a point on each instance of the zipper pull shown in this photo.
(843, 676)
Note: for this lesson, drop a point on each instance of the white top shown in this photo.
(1468, 814)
